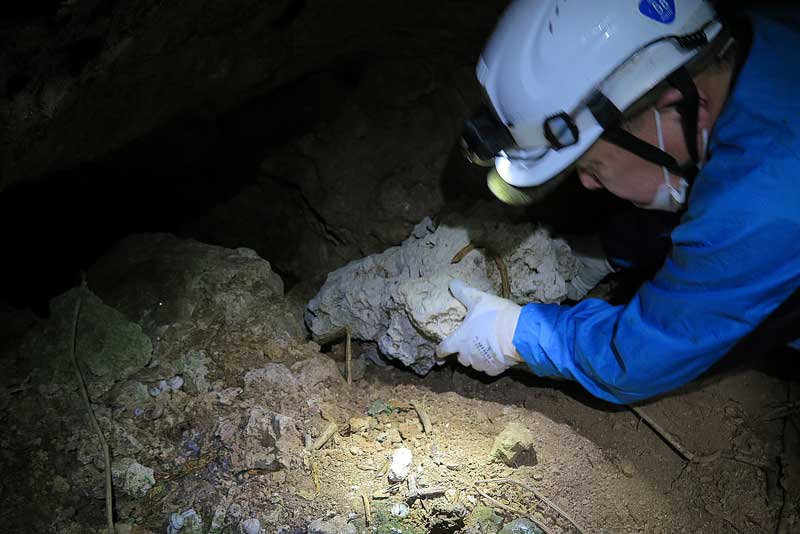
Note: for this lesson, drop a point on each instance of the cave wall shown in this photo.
(313, 132)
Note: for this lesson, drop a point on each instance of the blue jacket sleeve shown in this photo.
(710, 293)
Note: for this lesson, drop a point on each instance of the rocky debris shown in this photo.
(335, 525)
(400, 298)
(514, 446)
(402, 459)
(132, 477)
(521, 526)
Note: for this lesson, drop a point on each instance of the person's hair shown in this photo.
(718, 56)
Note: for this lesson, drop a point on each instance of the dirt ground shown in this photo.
(600, 464)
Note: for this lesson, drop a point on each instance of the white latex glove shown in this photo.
(593, 266)
(484, 340)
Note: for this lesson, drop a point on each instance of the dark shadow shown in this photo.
(62, 223)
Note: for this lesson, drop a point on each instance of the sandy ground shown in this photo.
(600, 464)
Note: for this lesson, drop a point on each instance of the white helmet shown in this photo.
(558, 73)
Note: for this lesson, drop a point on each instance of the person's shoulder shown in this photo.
(743, 190)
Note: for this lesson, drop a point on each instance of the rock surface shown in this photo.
(400, 298)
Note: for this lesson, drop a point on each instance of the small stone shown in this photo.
(355, 451)
(359, 424)
(334, 525)
(393, 436)
(521, 526)
(251, 526)
(175, 383)
(485, 520)
(409, 430)
(627, 468)
(135, 479)
(379, 406)
(399, 509)
(188, 522)
(402, 459)
(228, 395)
(514, 446)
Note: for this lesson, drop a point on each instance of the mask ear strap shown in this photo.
(660, 136)
(609, 117)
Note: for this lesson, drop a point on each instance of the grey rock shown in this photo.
(268, 441)
(159, 279)
(109, 347)
(400, 298)
(132, 477)
(250, 526)
(521, 526)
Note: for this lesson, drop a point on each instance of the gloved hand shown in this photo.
(484, 340)
(593, 266)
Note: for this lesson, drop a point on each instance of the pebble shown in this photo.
(359, 424)
(251, 526)
(628, 469)
(399, 509)
(401, 464)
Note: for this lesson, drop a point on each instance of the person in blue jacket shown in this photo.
(664, 104)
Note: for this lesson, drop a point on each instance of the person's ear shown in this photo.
(589, 180)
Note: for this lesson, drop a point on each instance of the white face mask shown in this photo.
(667, 197)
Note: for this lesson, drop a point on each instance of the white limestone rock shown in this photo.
(400, 298)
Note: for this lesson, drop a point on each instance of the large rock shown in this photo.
(107, 345)
(158, 279)
(400, 298)
(199, 302)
